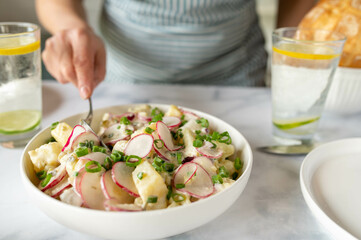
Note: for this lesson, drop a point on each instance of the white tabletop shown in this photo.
(272, 205)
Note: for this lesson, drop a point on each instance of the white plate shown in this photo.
(331, 185)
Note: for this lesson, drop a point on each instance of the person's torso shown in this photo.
(180, 40)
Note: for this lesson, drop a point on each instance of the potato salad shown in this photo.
(154, 160)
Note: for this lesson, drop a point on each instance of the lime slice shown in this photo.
(308, 52)
(19, 121)
(289, 124)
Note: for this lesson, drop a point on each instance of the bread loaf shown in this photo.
(342, 16)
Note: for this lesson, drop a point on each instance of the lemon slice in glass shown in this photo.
(19, 121)
(306, 51)
(289, 124)
(18, 45)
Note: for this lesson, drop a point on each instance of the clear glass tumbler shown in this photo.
(303, 65)
(20, 83)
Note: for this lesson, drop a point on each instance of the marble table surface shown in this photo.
(271, 206)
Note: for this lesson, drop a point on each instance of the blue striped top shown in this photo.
(184, 41)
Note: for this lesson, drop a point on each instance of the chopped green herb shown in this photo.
(238, 164)
(235, 175)
(124, 120)
(152, 199)
(99, 149)
(169, 194)
(177, 197)
(90, 169)
(180, 186)
(223, 172)
(156, 111)
(41, 175)
(108, 164)
(217, 179)
(81, 151)
(158, 164)
(53, 125)
(149, 130)
(197, 143)
(45, 181)
(168, 167)
(179, 157)
(117, 156)
(52, 139)
(118, 127)
(140, 175)
(76, 174)
(129, 132)
(132, 164)
(158, 143)
(203, 122)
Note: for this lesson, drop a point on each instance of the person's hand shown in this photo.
(76, 56)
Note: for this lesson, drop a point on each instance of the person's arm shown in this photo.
(74, 53)
(291, 12)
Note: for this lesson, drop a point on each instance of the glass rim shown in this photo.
(34, 29)
(276, 33)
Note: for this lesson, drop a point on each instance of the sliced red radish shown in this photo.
(185, 172)
(82, 137)
(91, 192)
(200, 185)
(128, 115)
(190, 115)
(164, 154)
(77, 180)
(70, 197)
(117, 132)
(140, 145)
(166, 136)
(207, 150)
(77, 130)
(95, 156)
(112, 191)
(171, 122)
(122, 176)
(115, 205)
(207, 164)
(144, 118)
(58, 188)
(59, 174)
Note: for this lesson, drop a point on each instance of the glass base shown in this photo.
(284, 138)
(17, 140)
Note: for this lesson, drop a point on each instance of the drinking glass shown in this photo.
(20, 83)
(303, 65)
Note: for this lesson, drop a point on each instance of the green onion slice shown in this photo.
(180, 186)
(238, 164)
(152, 199)
(158, 143)
(177, 197)
(41, 175)
(81, 151)
(45, 181)
(132, 164)
(88, 168)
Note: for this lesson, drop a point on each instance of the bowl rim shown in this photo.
(247, 170)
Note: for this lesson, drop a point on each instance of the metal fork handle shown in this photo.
(89, 118)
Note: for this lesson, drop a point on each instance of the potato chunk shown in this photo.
(61, 133)
(151, 184)
(46, 156)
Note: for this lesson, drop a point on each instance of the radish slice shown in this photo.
(58, 188)
(164, 154)
(82, 137)
(115, 205)
(197, 184)
(207, 164)
(140, 145)
(91, 192)
(77, 130)
(115, 133)
(95, 156)
(77, 180)
(185, 173)
(190, 115)
(165, 135)
(172, 122)
(128, 115)
(112, 191)
(60, 173)
(144, 118)
(207, 150)
(122, 176)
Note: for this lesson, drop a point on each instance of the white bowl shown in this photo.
(137, 225)
(344, 96)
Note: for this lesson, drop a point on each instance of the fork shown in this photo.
(87, 122)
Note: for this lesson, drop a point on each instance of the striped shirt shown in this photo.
(215, 42)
